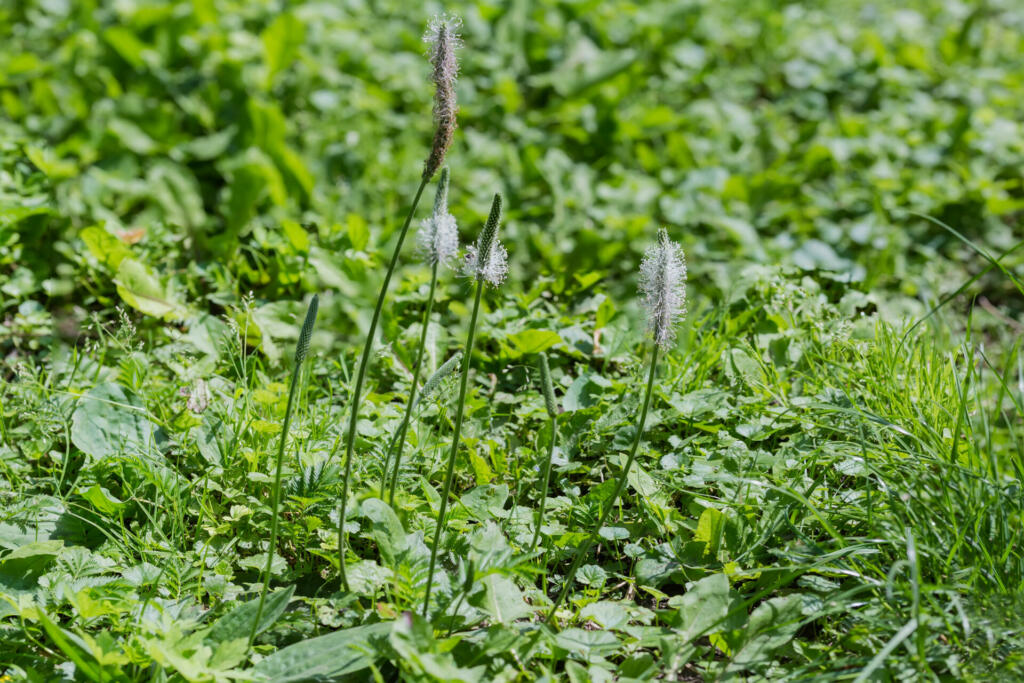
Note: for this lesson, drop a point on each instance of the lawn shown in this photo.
(670, 340)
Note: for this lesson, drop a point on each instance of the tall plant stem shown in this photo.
(300, 355)
(581, 552)
(412, 392)
(361, 375)
(546, 477)
(439, 530)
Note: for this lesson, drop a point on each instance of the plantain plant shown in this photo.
(301, 350)
(437, 242)
(486, 262)
(443, 39)
(663, 285)
(548, 390)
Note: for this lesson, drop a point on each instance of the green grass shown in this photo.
(828, 485)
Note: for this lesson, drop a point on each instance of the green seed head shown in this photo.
(434, 381)
(546, 385)
(490, 232)
(302, 348)
(487, 259)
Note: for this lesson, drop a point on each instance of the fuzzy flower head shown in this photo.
(487, 259)
(437, 240)
(663, 285)
(442, 36)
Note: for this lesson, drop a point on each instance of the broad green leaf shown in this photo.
(258, 562)
(281, 43)
(132, 136)
(385, 528)
(104, 246)
(141, 290)
(110, 420)
(238, 622)
(607, 614)
(655, 568)
(487, 501)
(47, 161)
(20, 572)
(11, 215)
(103, 500)
(503, 600)
(366, 577)
(22, 567)
(358, 231)
(585, 391)
(772, 625)
(592, 575)
(73, 647)
(324, 657)
(702, 606)
(245, 191)
(34, 519)
(175, 187)
(125, 42)
(481, 470)
(296, 235)
(710, 529)
(587, 643)
(533, 341)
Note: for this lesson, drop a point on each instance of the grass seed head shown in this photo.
(443, 38)
(663, 285)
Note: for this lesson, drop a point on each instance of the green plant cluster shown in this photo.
(820, 478)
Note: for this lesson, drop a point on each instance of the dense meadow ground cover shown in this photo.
(828, 484)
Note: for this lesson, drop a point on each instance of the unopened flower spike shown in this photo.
(663, 285)
(443, 37)
(487, 260)
(438, 238)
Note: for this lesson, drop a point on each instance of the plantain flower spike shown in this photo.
(431, 385)
(487, 260)
(437, 240)
(443, 37)
(663, 285)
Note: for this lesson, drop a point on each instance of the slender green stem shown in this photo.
(360, 376)
(276, 499)
(439, 530)
(412, 392)
(581, 553)
(545, 477)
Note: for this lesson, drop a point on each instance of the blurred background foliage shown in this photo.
(174, 156)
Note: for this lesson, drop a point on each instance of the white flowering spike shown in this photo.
(437, 240)
(443, 38)
(663, 285)
(487, 259)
